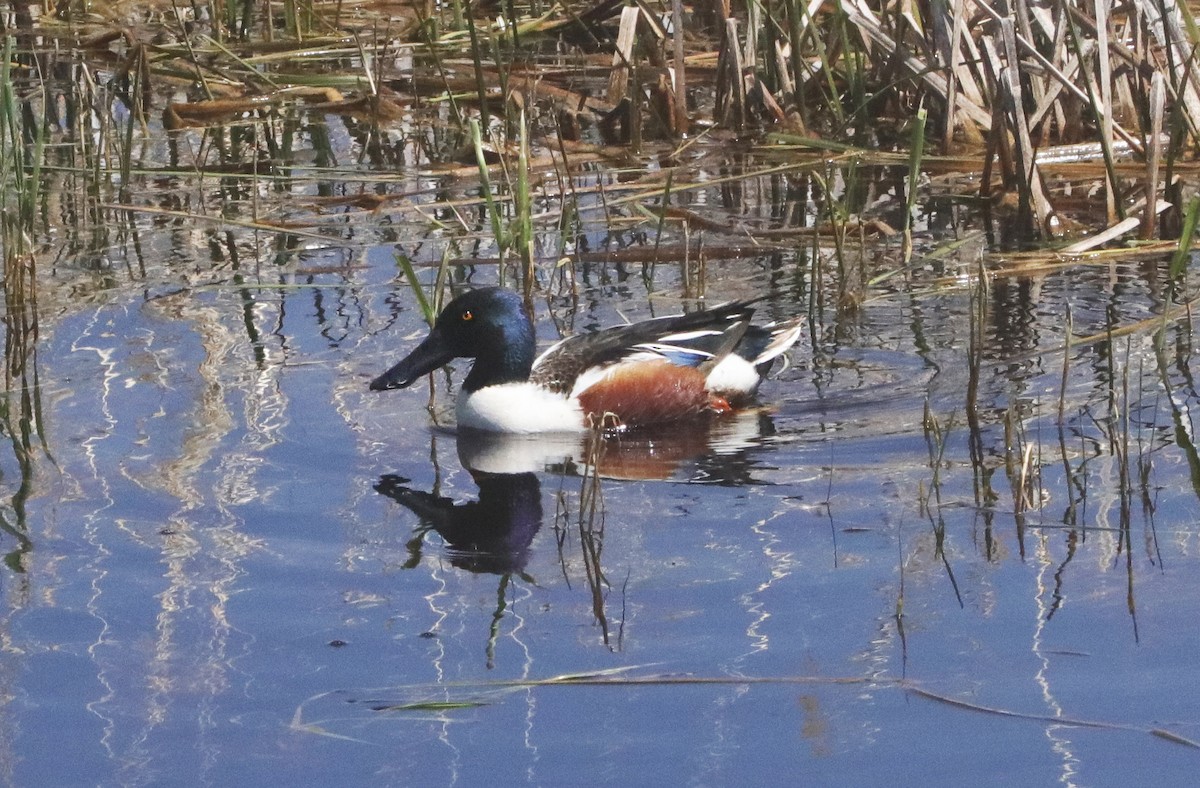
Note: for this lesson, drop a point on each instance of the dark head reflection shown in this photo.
(491, 534)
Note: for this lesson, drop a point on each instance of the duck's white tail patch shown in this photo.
(737, 378)
(733, 377)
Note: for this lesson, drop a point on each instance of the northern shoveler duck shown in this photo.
(652, 372)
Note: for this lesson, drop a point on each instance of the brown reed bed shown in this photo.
(1016, 93)
(483, 127)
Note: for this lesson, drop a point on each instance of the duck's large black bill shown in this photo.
(428, 356)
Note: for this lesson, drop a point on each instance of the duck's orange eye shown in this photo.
(467, 316)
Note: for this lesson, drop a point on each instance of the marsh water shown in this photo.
(958, 544)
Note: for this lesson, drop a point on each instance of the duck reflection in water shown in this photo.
(490, 534)
(494, 532)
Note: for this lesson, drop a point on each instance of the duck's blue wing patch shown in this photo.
(679, 355)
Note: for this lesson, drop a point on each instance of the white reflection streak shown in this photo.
(205, 546)
(265, 414)
(1106, 536)
(518, 625)
(780, 564)
(439, 668)
(526, 672)
(92, 521)
(1059, 743)
(530, 742)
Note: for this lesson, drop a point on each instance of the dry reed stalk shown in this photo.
(1164, 20)
(1024, 46)
(1120, 228)
(998, 142)
(1158, 99)
(1104, 105)
(868, 24)
(959, 78)
(1032, 194)
(731, 86)
(679, 82)
(618, 80)
(1024, 22)
(800, 30)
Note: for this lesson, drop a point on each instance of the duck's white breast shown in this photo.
(518, 408)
